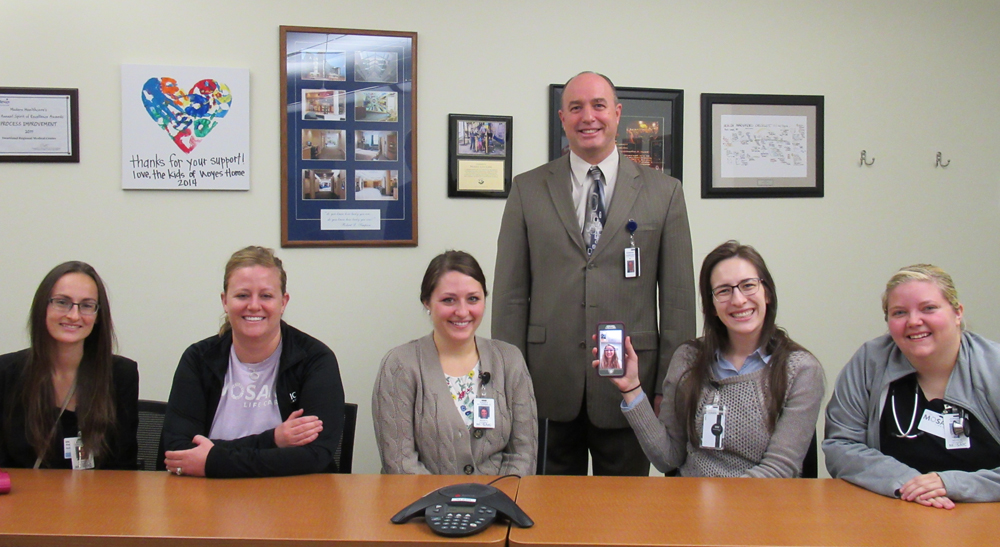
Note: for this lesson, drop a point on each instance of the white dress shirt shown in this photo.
(579, 170)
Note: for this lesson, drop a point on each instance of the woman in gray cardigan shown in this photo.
(742, 400)
(916, 412)
(429, 396)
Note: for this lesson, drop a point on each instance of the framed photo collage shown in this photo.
(348, 137)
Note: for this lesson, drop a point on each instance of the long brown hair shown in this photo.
(613, 361)
(715, 338)
(95, 395)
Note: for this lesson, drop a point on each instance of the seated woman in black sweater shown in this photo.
(261, 398)
(67, 401)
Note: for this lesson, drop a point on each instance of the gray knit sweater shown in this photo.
(418, 429)
(748, 449)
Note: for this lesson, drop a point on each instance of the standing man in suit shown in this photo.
(561, 268)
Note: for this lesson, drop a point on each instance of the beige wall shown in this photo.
(902, 80)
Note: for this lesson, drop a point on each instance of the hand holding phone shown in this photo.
(628, 382)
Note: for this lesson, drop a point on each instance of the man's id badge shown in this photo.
(632, 264)
(485, 417)
(713, 427)
(73, 450)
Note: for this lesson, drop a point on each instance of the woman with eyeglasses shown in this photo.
(261, 398)
(68, 402)
(915, 413)
(742, 400)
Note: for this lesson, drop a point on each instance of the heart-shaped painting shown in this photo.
(187, 118)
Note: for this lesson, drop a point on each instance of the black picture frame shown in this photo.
(348, 137)
(654, 148)
(761, 146)
(24, 111)
(480, 155)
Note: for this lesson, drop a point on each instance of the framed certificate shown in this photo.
(479, 156)
(39, 125)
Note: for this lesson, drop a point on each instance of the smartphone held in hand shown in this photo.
(611, 349)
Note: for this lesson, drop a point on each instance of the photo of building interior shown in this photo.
(324, 104)
(324, 144)
(375, 146)
(376, 66)
(324, 65)
(371, 185)
(376, 106)
(324, 184)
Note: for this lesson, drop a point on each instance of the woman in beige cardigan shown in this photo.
(429, 392)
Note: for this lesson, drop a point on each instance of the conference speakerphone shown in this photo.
(464, 509)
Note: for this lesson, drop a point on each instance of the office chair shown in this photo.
(344, 456)
(543, 435)
(150, 426)
(810, 465)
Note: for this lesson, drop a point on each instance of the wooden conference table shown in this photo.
(575, 511)
(149, 509)
(118, 508)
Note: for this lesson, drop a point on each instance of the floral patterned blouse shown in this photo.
(463, 391)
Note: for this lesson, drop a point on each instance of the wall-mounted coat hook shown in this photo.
(940, 163)
(864, 158)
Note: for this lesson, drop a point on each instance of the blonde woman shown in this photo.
(261, 398)
(927, 370)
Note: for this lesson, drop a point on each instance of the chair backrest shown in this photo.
(150, 427)
(344, 456)
(810, 465)
(543, 437)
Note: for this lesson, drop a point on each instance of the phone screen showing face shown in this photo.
(611, 349)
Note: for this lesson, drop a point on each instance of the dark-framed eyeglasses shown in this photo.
(749, 287)
(65, 305)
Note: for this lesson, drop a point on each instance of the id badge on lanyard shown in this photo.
(713, 427)
(73, 450)
(485, 417)
(633, 263)
(956, 428)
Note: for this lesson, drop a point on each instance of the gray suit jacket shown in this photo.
(549, 296)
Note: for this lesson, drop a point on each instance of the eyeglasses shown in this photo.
(749, 287)
(64, 305)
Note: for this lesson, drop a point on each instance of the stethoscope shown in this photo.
(961, 426)
(958, 428)
(913, 418)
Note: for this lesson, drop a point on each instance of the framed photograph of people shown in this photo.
(761, 146)
(479, 156)
(650, 133)
(39, 125)
(348, 137)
